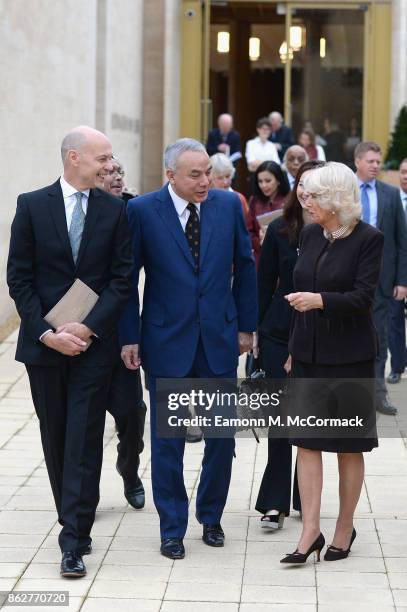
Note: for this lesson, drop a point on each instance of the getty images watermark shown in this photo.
(322, 408)
(201, 400)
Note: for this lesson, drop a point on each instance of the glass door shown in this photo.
(324, 54)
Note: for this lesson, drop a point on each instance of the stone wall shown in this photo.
(399, 57)
(64, 64)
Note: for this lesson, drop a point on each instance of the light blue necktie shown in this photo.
(77, 225)
(365, 202)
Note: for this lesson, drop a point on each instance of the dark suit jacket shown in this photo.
(347, 278)
(180, 306)
(275, 280)
(41, 269)
(391, 221)
(283, 136)
(215, 138)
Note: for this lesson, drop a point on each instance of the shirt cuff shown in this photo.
(46, 332)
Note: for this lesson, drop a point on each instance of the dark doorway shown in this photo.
(247, 88)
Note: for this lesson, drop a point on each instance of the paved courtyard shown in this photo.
(126, 571)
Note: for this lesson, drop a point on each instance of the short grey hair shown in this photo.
(117, 161)
(221, 164)
(72, 142)
(177, 148)
(276, 115)
(336, 188)
(289, 150)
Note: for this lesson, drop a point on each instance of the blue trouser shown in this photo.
(169, 493)
(397, 336)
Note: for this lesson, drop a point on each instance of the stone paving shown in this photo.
(126, 571)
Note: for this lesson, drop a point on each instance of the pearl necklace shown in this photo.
(338, 233)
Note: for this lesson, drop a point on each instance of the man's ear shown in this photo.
(170, 176)
(73, 157)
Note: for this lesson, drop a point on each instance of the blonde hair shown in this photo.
(336, 188)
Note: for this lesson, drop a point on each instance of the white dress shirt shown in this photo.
(403, 196)
(68, 193)
(372, 195)
(256, 150)
(291, 179)
(181, 207)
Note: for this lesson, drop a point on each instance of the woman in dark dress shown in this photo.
(271, 189)
(275, 280)
(333, 337)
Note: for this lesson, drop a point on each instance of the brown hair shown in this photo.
(263, 121)
(403, 161)
(309, 132)
(292, 210)
(366, 146)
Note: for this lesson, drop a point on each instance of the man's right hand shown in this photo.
(130, 356)
(64, 343)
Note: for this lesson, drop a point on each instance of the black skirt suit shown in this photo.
(340, 340)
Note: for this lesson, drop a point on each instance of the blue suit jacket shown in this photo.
(179, 305)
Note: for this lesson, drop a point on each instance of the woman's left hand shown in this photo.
(305, 300)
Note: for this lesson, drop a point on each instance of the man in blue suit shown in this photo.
(199, 312)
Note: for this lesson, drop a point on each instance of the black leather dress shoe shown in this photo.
(213, 535)
(72, 565)
(394, 378)
(85, 550)
(134, 493)
(135, 496)
(173, 548)
(385, 407)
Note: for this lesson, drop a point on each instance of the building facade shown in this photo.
(146, 72)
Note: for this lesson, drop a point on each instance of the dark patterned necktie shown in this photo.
(192, 233)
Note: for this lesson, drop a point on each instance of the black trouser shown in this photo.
(275, 488)
(70, 402)
(125, 404)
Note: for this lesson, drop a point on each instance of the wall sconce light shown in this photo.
(223, 44)
(322, 47)
(285, 53)
(254, 49)
(296, 38)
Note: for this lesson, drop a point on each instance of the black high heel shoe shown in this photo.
(273, 521)
(333, 553)
(297, 557)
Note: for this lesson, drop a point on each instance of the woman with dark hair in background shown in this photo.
(270, 192)
(307, 140)
(275, 280)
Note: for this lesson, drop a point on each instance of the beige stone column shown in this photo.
(399, 57)
(153, 95)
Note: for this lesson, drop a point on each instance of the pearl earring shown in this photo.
(333, 212)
